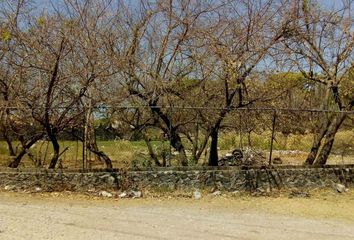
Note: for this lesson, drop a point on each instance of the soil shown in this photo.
(68, 216)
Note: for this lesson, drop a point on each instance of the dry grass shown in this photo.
(121, 152)
(292, 149)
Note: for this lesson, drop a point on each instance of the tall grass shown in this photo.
(232, 140)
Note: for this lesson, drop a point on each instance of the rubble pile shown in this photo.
(245, 157)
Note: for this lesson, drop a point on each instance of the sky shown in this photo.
(327, 3)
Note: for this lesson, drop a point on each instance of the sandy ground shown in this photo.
(58, 216)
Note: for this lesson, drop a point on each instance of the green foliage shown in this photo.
(347, 86)
(69, 23)
(189, 82)
(344, 143)
(305, 5)
(186, 84)
(140, 160)
(231, 140)
(285, 81)
(41, 21)
(5, 35)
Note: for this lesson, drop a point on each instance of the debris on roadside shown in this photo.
(105, 194)
(197, 195)
(341, 188)
(131, 194)
(244, 157)
(216, 193)
(299, 194)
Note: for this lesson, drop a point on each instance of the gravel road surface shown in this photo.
(28, 218)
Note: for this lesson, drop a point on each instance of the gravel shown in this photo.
(23, 217)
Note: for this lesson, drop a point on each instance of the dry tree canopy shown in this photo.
(66, 65)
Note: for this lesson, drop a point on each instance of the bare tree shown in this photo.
(320, 43)
(62, 56)
(158, 56)
(16, 123)
(240, 40)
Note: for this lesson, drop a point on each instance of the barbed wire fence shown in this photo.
(143, 136)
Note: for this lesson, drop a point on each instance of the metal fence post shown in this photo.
(170, 135)
(84, 141)
(240, 132)
(272, 140)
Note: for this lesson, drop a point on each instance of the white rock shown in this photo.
(131, 194)
(340, 188)
(105, 194)
(137, 194)
(111, 180)
(216, 193)
(38, 189)
(123, 195)
(197, 195)
(9, 188)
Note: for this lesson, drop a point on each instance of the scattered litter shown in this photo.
(197, 195)
(123, 195)
(341, 188)
(9, 187)
(131, 194)
(216, 193)
(105, 194)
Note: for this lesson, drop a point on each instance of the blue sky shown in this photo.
(327, 3)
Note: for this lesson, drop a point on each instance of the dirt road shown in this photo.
(27, 217)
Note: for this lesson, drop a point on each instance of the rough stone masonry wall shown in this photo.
(229, 179)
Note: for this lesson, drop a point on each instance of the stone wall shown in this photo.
(229, 179)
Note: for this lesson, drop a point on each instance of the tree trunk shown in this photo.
(9, 145)
(92, 147)
(329, 140)
(90, 137)
(6, 123)
(100, 154)
(249, 139)
(202, 148)
(176, 143)
(151, 151)
(16, 162)
(56, 148)
(317, 143)
(195, 144)
(175, 139)
(213, 156)
(315, 147)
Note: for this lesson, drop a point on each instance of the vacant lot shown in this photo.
(292, 150)
(325, 215)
